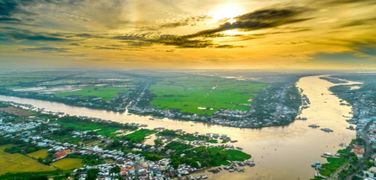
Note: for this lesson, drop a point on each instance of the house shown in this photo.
(358, 151)
(62, 154)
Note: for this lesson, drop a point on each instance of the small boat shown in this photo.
(326, 155)
(316, 164)
(313, 126)
(351, 127)
(327, 130)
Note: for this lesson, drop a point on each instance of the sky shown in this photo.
(188, 34)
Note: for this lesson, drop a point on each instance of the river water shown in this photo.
(279, 152)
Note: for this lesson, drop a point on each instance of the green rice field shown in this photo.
(204, 95)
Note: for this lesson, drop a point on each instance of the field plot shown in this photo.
(106, 93)
(16, 163)
(16, 111)
(138, 136)
(68, 163)
(204, 95)
(42, 154)
(104, 129)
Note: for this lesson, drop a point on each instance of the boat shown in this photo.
(326, 155)
(327, 130)
(351, 127)
(313, 126)
(301, 118)
(250, 163)
(316, 165)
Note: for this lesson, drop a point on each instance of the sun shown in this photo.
(226, 12)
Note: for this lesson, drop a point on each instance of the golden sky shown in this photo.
(208, 34)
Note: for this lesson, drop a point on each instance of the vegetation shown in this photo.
(208, 157)
(203, 95)
(102, 128)
(92, 174)
(35, 175)
(106, 93)
(23, 148)
(68, 163)
(334, 163)
(203, 156)
(40, 154)
(16, 163)
(178, 147)
(184, 136)
(87, 159)
(138, 136)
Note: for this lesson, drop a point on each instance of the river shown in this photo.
(279, 152)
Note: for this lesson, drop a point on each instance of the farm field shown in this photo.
(106, 93)
(42, 154)
(68, 163)
(139, 135)
(16, 111)
(16, 163)
(79, 125)
(204, 95)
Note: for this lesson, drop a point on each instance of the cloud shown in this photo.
(360, 22)
(14, 34)
(9, 20)
(359, 54)
(32, 36)
(349, 1)
(367, 50)
(173, 40)
(7, 7)
(190, 21)
(261, 19)
(340, 56)
(45, 49)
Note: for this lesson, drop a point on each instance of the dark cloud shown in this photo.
(173, 40)
(14, 34)
(45, 49)
(267, 18)
(367, 50)
(7, 8)
(9, 20)
(190, 21)
(261, 19)
(341, 56)
(360, 52)
(31, 36)
(10, 10)
(227, 46)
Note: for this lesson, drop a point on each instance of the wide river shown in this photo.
(279, 152)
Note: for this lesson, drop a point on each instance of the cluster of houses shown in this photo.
(6, 128)
(370, 173)
(131, 165)
(363, 116)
